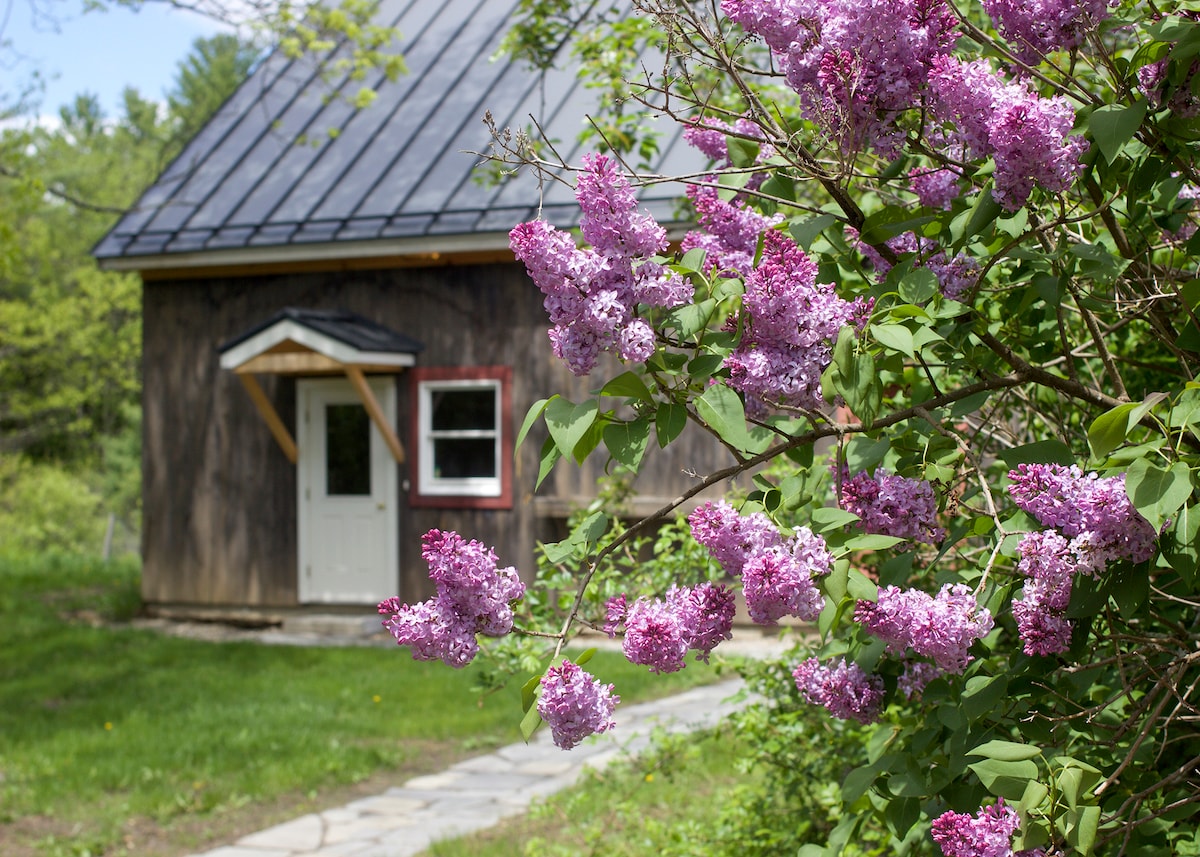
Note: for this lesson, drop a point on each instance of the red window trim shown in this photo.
(503, 374)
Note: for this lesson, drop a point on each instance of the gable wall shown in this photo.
(219, 495)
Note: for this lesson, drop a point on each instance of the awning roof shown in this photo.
(319, 342)
(310, 342)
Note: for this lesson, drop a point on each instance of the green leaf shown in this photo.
(918, 286)
(1005, 779)
(568, 422)
(530, 723)
(1156, 493)
(531, 417)
(692, 261)
(1114, 125)
(1182, 547)
(860, 587)
(829, 518)
(628, 384)
(1108, 430)
(588, 531)
(976, 219)
(627, 441)
(1006, 751)
(982, 694)
(550, 456)
(530, 691)
(703, 366)
(872, 542)
(691, 319)
(1041, 452)
(837, 581)
(894, 337)
(901, 814)
(585, 656)
(1035, 793)
(742, 153)
(1070, 784)
(806, 231)
(890, 222)
(722, 409)
(1082, 825)
(857, 782)
(669, 421)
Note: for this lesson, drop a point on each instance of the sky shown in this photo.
(97, 52)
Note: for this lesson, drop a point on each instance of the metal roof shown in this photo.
(288, 170)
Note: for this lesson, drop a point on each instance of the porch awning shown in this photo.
(306, 342)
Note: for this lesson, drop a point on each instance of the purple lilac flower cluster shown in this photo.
(1092, 524)
(592, 294)
(1028, 136)
(893, 505)
(473, 597)
(575, 704)
(659, 632)
(842, 688)
(730, 231)
(857, 64)
(711, 137)
(777, 574)
(1093, 511)
(940, 627)
(955, 276)
(1050, 565)
(916, 675)
(789, 325)
(934, 187)
(1034, 28)
(988, 833)
(1176, 96)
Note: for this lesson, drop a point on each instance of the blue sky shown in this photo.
(98, 52)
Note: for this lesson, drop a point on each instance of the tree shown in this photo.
(215, 68)
(70, 334)
(952, 244)
(344, 36)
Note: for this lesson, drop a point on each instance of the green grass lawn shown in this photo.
(116, 741)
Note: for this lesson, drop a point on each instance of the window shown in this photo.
(463, 449)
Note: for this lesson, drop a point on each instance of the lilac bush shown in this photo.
(938, 302)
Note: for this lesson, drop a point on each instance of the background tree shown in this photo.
(70, 333)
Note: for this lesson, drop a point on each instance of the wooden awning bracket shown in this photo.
(267, 411)
(359, 381)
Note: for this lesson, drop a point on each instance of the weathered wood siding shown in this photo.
(220, 502)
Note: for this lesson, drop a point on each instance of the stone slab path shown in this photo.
(480, 792)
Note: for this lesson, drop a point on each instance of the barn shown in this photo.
(338, 346)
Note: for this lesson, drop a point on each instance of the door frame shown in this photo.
(317, 392)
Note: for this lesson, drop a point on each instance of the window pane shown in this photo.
(464, 458)
(457, 410)
(347, 450)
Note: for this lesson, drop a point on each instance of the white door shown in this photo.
(347, 494)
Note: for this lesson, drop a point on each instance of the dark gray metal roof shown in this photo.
(265, 178)
(344, 326)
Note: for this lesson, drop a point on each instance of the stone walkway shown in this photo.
(480, 792)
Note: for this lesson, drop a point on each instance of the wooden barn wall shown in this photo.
(220, 504)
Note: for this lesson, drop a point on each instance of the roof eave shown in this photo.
(393, 252)
(425, 247)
